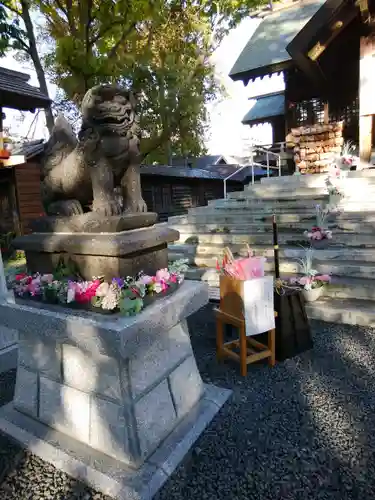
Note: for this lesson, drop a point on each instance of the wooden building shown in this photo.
(20, 194)
(20, 199)
(325, 50)
(173, 190)
(167, 190)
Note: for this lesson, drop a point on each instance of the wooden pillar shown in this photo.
(326, 113)
(1, 129)
(366, 95)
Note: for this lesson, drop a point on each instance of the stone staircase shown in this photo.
(245, 217)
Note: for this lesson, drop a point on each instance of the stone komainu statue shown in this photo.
(88, 172)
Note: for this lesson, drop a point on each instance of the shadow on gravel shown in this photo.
(304, 430)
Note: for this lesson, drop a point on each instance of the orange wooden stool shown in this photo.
(231, 313)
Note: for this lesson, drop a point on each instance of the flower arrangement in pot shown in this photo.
(311, 283)
(319, 236)
(335, 194)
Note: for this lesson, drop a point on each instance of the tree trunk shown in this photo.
(36, 60)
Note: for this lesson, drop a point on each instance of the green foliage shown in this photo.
(130, 307)
(11, 34)
(66, 269)
(6, 240)
(160, 49)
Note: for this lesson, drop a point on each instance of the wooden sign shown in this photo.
(259, 305)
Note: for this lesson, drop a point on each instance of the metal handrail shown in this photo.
(265, 150)
(268, 153)
(252, 165)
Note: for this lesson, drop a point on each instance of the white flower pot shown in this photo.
(334, 199)
(313, 294)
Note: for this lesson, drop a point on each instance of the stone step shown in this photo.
(341, 288)
(265, 238)
(290, 267)
(246, 199)
(254, 217)
(359, 196)
(266, 226)
(346, 311)
(351, 288)
(330, 254)
(349, 190)
(316, 186)
(285, 206)
(265, 192)
(313, 180)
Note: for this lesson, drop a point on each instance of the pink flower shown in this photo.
(173, 278)
(47, 278)
(32, 289)
(162, 275)
(317, 235)
(305, 280)
(146, 280)
(323, 277)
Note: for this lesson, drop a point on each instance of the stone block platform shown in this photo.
(114, 401)
(111, 251)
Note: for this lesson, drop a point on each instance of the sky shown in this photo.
(226, 134)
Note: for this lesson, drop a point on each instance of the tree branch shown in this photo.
(105, 30)
(12, 9)
(24, 46)
(126, 33)
(63, 9)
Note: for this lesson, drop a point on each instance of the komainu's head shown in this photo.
(109, 117)
(109, 109)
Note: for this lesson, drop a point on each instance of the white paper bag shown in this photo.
(259, 305)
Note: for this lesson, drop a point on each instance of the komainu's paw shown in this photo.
(107, 208)
(137, 206)
(65, 208)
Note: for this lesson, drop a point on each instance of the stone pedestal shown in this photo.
(116, 386)
(111, 251)
(8, 336)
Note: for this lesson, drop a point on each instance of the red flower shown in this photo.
(20, 276)
(88, 294)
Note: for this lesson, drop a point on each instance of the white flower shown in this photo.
(102, 289)
(70, 295)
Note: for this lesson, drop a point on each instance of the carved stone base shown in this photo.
(93, 223)
(109, 255)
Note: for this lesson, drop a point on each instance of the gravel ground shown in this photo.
(304, 430)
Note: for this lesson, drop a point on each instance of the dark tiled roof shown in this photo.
(266, 107)
(219, 172)
(267, 46)
(187, 172)
(201, 162)
(16, 93)
(224, 170)
(29, 149)
(205, 161)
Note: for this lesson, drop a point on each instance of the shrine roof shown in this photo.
(17, 93)
(266, 107)
(266, 51)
